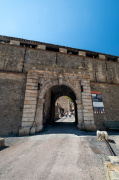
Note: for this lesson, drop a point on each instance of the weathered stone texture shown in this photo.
(100, 71)
(110, 97)
(12, 92)
(68, 61)
(97, 69)
(112, 73)
(53, 67)
(64, 103)
(63, 50)
(17, 43)
(11, 58)
(47, 106)
(2, 142)
(39, 57)
(101, 56)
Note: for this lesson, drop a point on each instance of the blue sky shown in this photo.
(84, 24)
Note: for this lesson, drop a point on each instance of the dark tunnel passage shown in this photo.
(50, 98)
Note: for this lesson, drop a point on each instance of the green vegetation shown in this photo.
(69, 99)
(21, 108)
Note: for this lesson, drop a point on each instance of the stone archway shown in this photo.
(51, 96)
(59, 81)
(45, 88)
(38, 82)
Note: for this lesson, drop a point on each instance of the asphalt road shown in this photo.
(59, 152)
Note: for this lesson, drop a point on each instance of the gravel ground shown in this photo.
(59, 152)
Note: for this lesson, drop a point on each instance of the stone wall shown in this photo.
(64, 103)
(21, 59)
(11, 58)
(38, 57)
(12, 92)
(47, 106)
(110, 97)
(101, 70)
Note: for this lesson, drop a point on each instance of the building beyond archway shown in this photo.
(44, 87)
(51, 96)
(64, 104)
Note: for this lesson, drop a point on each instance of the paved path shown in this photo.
(61, 152)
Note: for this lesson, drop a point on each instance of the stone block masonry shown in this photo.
(11, 58)
(12, 93)
(110, 97)
(63, 103)
(87, 105)
(30, 103)
(2, 142)
(112, 167)
(44, 66)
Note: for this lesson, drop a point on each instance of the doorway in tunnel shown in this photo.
(57, 99)
(64, 108)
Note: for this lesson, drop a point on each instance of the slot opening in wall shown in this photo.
(52, 49)
(91, 55)
(112, 59)
(72, 52)
(75, 52)
(81, 88)
(4, 42)
(28, 45)
(38, 86)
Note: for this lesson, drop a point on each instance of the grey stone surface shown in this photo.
(112, 168)
(14, 42)
(101, 56)
(82, 53)
(12, 92)
(2, 142)
(43, 47)
(62, 50)
(60, 152)
(110, 98)
(103, 73)
(11, 58)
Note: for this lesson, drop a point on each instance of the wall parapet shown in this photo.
(56, 48)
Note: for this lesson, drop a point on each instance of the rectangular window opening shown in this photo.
(81, 88)
(38, 86)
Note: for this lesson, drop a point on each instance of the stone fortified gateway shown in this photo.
(33, 75)
(35, 99)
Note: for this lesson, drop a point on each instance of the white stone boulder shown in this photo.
(101, 135)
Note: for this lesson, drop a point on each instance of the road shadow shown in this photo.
(111, 141)
(65, 128)
(3, 147)
(60, 127)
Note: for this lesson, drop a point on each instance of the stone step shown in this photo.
(2, 142)
(112, 167)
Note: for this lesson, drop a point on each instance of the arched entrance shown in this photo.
(49, 93)
(50, 98)
(42, 84)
